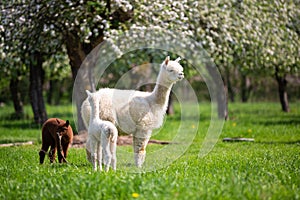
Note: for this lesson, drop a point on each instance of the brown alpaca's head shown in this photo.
(62, 128)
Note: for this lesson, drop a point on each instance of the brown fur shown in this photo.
(58, 134)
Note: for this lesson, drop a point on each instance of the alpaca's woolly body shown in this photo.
(102, 136)
(137, 112)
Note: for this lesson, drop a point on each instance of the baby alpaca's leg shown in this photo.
(113, 150)
(93, 149)
(88, 151)
(106, 151)
(99, 155)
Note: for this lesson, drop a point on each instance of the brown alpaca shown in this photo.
(58, 134)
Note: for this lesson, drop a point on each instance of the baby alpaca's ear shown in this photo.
(87, 92)
(167, 60)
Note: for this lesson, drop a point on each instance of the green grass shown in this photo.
(268, 168)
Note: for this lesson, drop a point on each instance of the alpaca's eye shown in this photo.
(171, 70)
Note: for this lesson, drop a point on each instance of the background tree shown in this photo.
(252, 36)
(36, 30)
(273, 44)
(30, 40)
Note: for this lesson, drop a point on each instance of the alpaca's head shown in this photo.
(92, 97)
(62, 128)
(171, 70)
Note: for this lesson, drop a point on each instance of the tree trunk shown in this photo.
(229, 85)
(222, 101)
(50, 92)
(16, 97)
(282, 89)
(245, 88)
(219, 90)
(76, 55)
(36, 88)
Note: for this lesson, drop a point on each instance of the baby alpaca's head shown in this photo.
(173, 71)
(92, 97)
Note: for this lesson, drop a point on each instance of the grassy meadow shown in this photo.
(268, 168)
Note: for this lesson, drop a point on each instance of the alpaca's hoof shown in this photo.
(106, 168)
(42, 156)
(139, 159)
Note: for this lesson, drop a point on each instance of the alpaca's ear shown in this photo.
(87, 92)
(57, 121)
(178, 59)
(167, 60)
(67, 123)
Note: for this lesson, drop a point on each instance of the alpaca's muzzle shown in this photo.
(180, 75)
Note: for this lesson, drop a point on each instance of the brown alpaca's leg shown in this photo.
(59, 149)
(65, 147)
(44, 149)
(52, 153)
(42, 153)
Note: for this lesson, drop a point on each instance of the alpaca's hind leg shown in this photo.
(113, 151)
(106, 151)
(99, 155)
(88, 151)
(52, 153)
(139, 147)
(43, 151)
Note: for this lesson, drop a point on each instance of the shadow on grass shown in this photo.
(21, 125)
(63, 116)
(279, 142)
(280, 122)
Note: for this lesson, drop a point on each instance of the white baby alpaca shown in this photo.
(102, 135)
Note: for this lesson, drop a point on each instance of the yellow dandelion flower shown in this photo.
(249, 130)
(135, 195)
(193, 126)
(234, 124)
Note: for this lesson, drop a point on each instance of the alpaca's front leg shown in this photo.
(99, 156)
(93, 149)
(61, 157)
(140, 141)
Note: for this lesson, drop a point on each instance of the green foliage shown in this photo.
(265, 169)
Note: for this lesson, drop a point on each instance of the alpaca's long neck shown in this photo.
(161, 91)
(94, 111)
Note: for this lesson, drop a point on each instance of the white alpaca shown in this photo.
(102, 135)
(136, 112)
